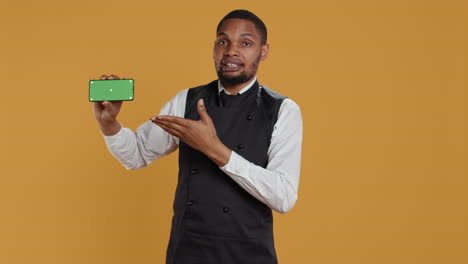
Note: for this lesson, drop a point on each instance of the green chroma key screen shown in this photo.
(111, 90)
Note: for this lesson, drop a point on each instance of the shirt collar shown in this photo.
(243, 90)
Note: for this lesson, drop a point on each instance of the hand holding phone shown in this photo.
(106, 112)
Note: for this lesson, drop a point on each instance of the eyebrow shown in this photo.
(247, 34)
(242, 35)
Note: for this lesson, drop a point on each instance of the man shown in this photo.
(239, 152)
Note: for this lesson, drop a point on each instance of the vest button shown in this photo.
(189, 203)
(194, 171)
(240, 146)
(249, 117)
(226, 209)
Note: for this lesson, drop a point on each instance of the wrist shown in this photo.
(219, 154)
(110, 129)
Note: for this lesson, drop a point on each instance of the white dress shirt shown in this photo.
(276, 185)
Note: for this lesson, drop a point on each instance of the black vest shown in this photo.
(215, 220)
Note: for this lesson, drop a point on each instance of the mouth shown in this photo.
(230, 66)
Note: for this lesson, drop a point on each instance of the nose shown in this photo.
(231, 51)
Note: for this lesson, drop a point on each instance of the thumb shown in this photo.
(202, 111)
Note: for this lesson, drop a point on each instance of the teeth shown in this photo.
(231, 64)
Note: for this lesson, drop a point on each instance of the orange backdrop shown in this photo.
(383, 90)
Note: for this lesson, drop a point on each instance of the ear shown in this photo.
(265, 51)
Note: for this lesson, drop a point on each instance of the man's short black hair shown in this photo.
(247, 15)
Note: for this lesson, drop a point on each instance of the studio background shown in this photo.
(382, 86)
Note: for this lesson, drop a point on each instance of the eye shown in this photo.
(246, 44)
(222, 42)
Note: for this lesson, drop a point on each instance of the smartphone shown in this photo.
(111, 90)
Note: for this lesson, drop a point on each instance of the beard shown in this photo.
(243, 77)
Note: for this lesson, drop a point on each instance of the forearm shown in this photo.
(124, 147)
(138, 149)
(274, 187)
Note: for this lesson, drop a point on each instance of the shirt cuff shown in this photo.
(236, 166)
(114, 139)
